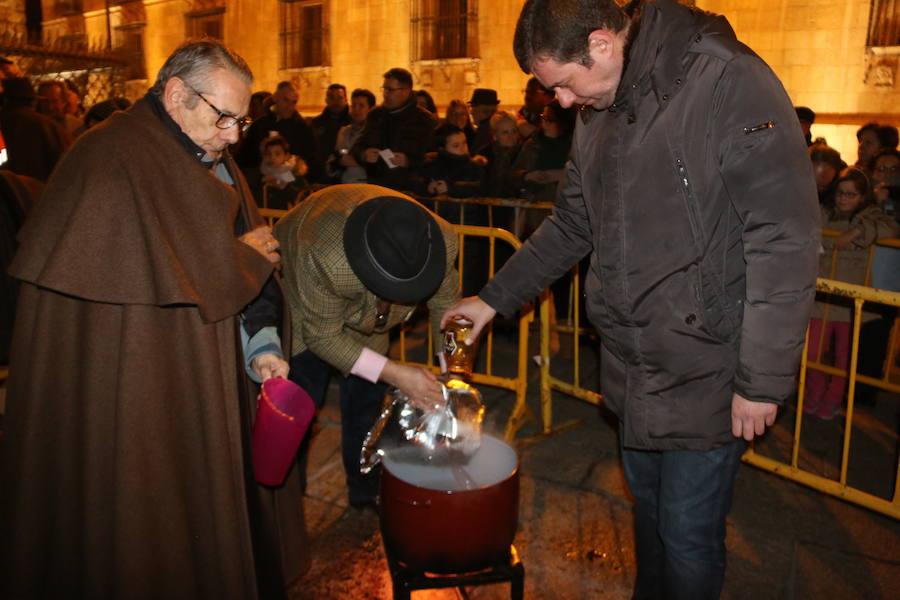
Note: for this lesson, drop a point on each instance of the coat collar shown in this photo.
(184, 141)
(662, 33)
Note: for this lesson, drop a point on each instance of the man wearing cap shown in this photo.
(358, 259)
(34, 141)
(397, 134)
(484, 104)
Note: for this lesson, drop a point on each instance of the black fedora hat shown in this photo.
(484, 96)
(396, 248)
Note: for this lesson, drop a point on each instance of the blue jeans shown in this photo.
(360, 403)
(681, 499)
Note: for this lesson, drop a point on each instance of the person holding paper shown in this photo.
(397, 134)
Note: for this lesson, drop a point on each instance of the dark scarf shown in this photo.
(187, 143)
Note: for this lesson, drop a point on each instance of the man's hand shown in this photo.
(419, 384)
(400, 160)
(845, 239)
(262, 240)
(473, 308)
(269, 365)
(347, 160)
(371, 155)
(749, 418)
(437, 187)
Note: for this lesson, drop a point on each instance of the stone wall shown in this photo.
(818, 49)
(12, 16)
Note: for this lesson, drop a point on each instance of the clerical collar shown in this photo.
(187, 143)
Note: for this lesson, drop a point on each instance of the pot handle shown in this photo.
(414, 503)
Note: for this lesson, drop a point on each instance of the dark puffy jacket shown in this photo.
(695, 192)
(408, 129)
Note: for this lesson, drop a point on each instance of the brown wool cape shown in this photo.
(124, 463)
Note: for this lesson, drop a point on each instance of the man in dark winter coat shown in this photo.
(326, 125)
(397, 134)
(147, 299)
(690, 186)
(289, 124)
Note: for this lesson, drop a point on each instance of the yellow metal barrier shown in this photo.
(840, 487)
(517, 204)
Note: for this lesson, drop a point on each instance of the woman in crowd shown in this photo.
(458, 114)
(862, 222)
(539, 167)
(827, 165)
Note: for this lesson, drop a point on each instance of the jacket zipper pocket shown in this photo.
(690, 203)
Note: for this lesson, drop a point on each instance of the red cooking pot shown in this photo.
(450, 517)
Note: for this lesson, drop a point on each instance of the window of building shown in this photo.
(444, 29)
(884, 23)
(205, 23)
(304, 34)
(68, 7)
(130, 45)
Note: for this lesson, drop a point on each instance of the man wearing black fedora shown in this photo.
(357, 259)
(484, 103)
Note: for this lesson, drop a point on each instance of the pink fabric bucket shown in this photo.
(284, 412)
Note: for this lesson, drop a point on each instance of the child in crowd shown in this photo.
(498, 179)
(827, 165)
(453, 173)
(506, 145)
(844, 258)
(885, 170)
(281, 173)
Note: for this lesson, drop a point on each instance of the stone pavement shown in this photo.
(785, 541)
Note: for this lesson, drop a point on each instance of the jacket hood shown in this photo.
(662, 33)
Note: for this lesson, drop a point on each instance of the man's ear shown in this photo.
(174, 93)
(600, 43)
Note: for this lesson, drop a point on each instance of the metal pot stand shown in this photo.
(406, 580)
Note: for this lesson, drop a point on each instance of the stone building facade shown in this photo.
(12, 17)
(823, 50)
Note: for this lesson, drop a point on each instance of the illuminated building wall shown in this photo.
(817, 47)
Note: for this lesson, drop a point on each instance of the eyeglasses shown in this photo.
(393, 89)
(225, 121)
(846, 194)
(885, 169)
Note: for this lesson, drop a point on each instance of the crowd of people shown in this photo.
(861, 204)
(403, 143)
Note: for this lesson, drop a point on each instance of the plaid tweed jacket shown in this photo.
(332, 313)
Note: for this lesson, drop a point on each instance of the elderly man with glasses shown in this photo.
(147, 303)
(397, 134)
